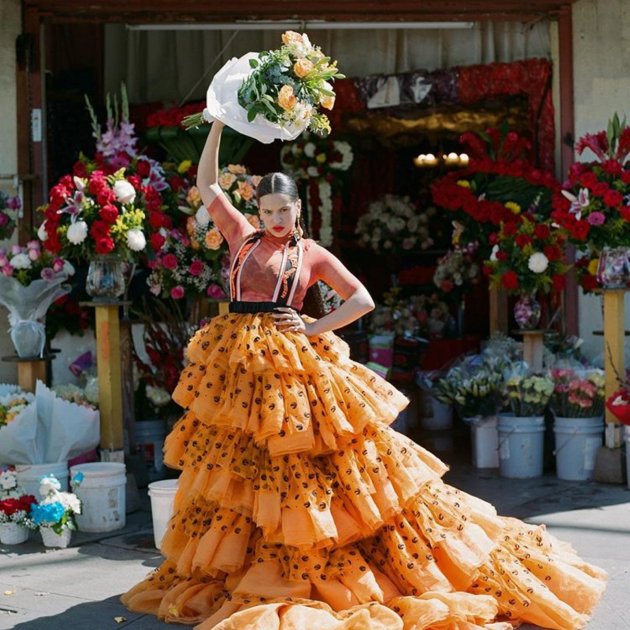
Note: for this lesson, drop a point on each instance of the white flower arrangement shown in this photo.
(394, 224)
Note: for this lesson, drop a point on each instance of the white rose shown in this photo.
(42, 235)
(538, 262)
(309, 149)
(202, 217)
(21, 261)
(48, 485)
(8, 480)
(124, 191)
(493, 253)
(136, 240)
(312, 171)
(77, 232)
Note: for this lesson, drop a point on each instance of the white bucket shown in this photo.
(577, 443)
(149, 437)
(102, 493)
(627, 432)
(521, 442)
(484, 441)
(440, 416)
(162, 495)
(29, 475)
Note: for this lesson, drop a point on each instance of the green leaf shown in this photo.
(251, 114)
(253, 63)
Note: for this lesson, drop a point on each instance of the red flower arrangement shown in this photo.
(498, 184)
(173, 116)
(593, 206)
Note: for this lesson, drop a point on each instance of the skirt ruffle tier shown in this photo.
(298, 506)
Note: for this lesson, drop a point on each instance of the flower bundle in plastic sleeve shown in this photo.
(578, 390)
(57, 509)
(274, 94)
(48, 430)
(527, 393)
(473, 386)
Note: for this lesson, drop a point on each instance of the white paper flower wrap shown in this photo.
(222, 104)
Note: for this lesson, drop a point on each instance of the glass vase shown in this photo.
(613, 271)
(527, 312)
(105, 280)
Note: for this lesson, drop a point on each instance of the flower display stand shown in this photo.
(533, 347)
(30, 370)
(614, 360)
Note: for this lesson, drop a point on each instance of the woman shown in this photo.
(297, 505)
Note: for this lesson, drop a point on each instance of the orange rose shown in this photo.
(191, 224)
(291, 37)
(226, 180)
(327, 102)
(302, 67)
(246, 191)
(193, 197)
(237, 169)
(254, 220)
(213, 239)
(286, 98)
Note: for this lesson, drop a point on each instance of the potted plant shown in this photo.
(577, 403)
(54, 515)
(521, 430)
(15, 509)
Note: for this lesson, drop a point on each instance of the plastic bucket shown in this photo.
(484, 441)
(436, 415)
(102, 493)
(577, 443)
(149, 437)
(627, 432)
(521, 442)
(162, 495)
(28, 475)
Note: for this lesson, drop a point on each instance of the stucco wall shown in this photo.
(601, 49)
(9, 30)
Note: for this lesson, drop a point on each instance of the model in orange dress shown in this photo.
(298, 506)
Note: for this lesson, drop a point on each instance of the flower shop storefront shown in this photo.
(433, 186)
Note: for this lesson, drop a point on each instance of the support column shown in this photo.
(614, 360)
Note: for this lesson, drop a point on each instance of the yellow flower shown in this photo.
(213, 239)
(320, 158)
(513, 206)
(463, 183)
(592, 266)
(184, 166)
(286, 98)
(246, 191)
(302, 67)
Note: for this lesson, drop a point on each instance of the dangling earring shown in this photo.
(297, 230)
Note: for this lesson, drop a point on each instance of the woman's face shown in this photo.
(279, 213)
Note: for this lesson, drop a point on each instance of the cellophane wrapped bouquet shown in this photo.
(274, 94)
(578, 390)
(527, 393)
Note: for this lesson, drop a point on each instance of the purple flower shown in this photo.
(48, 274)
(14, 203)
(4, 219)
(596, 218)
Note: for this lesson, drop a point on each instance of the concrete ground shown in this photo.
(78, 588)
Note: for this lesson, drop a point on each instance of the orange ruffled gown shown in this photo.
(298, 507)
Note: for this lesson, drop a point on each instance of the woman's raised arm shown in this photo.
(231, 223)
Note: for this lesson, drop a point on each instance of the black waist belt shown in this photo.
(254, 307)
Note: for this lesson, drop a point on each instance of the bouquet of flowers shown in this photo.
(31, 280)
(15, 506)
(8, 208)
(474, 387)
(431, 313)
(393, 224)
(527, 394)
(275, 94)
(457, 270)
(57, 509)
(527, 256)
(76, 395)
(578, 392)
(12, 404)
(194, 259)
(500, 182)
(593, 206)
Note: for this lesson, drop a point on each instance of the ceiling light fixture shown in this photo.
(303, 25)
